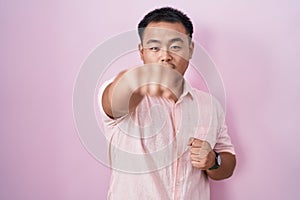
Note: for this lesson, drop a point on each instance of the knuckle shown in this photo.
(197, 142)
(195, 165)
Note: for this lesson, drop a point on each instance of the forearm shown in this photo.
(226, 169)
(118, 98)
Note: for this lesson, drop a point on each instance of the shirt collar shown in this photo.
(187, 90)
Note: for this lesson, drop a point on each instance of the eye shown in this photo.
(154, 49)
(175, 48)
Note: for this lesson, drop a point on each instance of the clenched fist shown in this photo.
(201, 154)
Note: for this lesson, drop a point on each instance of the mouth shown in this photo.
(169, 65)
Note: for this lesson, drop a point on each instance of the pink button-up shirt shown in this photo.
(148, 149)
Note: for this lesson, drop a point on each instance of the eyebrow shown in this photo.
(176, 40)
(171, 41)
(153, 41)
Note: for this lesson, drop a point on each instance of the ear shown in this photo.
(191, 50)
(141, 50)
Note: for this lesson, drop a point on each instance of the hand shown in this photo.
(154, 80)
(201, 154)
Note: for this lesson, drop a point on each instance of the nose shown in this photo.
(165, 56)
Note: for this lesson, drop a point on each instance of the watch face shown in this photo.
(219, 160)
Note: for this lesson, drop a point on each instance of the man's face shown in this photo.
(168, 44)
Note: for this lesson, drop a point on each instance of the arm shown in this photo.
(226, 168)
(128, 89)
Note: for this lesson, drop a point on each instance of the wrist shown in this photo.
(217, 161)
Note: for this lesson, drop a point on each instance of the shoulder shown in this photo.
(202, 96)
(206, 99)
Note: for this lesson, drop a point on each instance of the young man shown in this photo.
(165, 138)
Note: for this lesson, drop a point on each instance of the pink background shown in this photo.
(255, 45)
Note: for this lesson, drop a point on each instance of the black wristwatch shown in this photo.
(217, 162)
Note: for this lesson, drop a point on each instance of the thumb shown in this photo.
(190, 142)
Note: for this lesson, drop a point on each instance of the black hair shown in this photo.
(166, 14)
